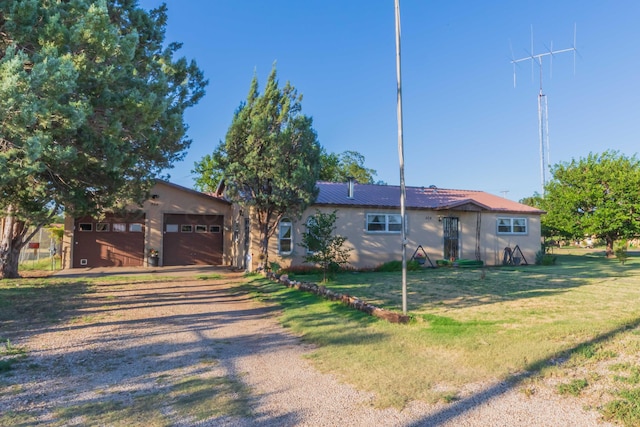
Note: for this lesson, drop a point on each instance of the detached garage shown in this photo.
(184, 226)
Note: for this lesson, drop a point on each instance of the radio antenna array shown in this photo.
(543, 111)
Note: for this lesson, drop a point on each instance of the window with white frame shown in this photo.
(384, 223)
(512, 226)
(285, 240)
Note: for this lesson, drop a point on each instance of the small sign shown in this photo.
(34, 245)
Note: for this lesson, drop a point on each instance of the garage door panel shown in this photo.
(192, 239)
(110, 242)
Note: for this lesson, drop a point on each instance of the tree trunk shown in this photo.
(12, 240)
(609, 250)
(264, 246)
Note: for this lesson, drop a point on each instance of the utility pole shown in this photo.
(403, 194)
(543, 109)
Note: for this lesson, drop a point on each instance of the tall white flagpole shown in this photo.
(403, 194)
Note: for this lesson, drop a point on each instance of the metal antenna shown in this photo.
(543, 111)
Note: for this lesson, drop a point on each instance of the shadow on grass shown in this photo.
(38, 303)
(468, 404)
(459, 288)
(326, 322)
(163, 357)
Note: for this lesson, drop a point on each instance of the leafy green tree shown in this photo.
(341, 167)
(323, 246)
(595, 196)
(270, 157)
(209, 174)
(91, 110)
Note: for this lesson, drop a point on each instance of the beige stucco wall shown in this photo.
(168, 199)
(424, 227)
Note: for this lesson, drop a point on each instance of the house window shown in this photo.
(172, 228)
(119, 227)
(512, 226)
(384, 223)
(186, 228)
(214, 229)
(102, 227)
(285, 241)
(135, 227)
(201, 228)
(85, 226)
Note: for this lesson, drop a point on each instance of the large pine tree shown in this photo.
(91, 109)
(270, 156)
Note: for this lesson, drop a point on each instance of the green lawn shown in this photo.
(476, 325)
(574, 325)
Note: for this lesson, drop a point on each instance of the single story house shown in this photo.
(188, 227)
(447, 224)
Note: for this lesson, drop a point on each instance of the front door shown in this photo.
(450, 225)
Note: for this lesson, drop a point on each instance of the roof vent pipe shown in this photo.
(350, 187)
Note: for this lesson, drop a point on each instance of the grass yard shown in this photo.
(573, 326)
(474, 326)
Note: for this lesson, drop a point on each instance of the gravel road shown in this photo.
(137, 339)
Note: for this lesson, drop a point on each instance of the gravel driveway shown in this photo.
(196, 352)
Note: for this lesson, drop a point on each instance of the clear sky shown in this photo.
(465, 125)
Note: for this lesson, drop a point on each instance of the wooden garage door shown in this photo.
(191, 239)
(114, 241)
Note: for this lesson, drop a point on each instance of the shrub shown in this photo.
(620, 251)
(275, 267)
(543, 258)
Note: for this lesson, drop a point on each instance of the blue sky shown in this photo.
(465, 125)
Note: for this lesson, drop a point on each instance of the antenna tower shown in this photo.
(543, 110)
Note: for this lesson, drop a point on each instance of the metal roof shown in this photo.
(388, 196)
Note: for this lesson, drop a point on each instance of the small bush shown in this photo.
(620, 251)
(275, 267)
(543, 258)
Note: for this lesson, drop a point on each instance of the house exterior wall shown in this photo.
(424, 227)
(167, 199)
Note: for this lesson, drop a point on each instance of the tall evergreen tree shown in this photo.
(91, 110)
(270, 156)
